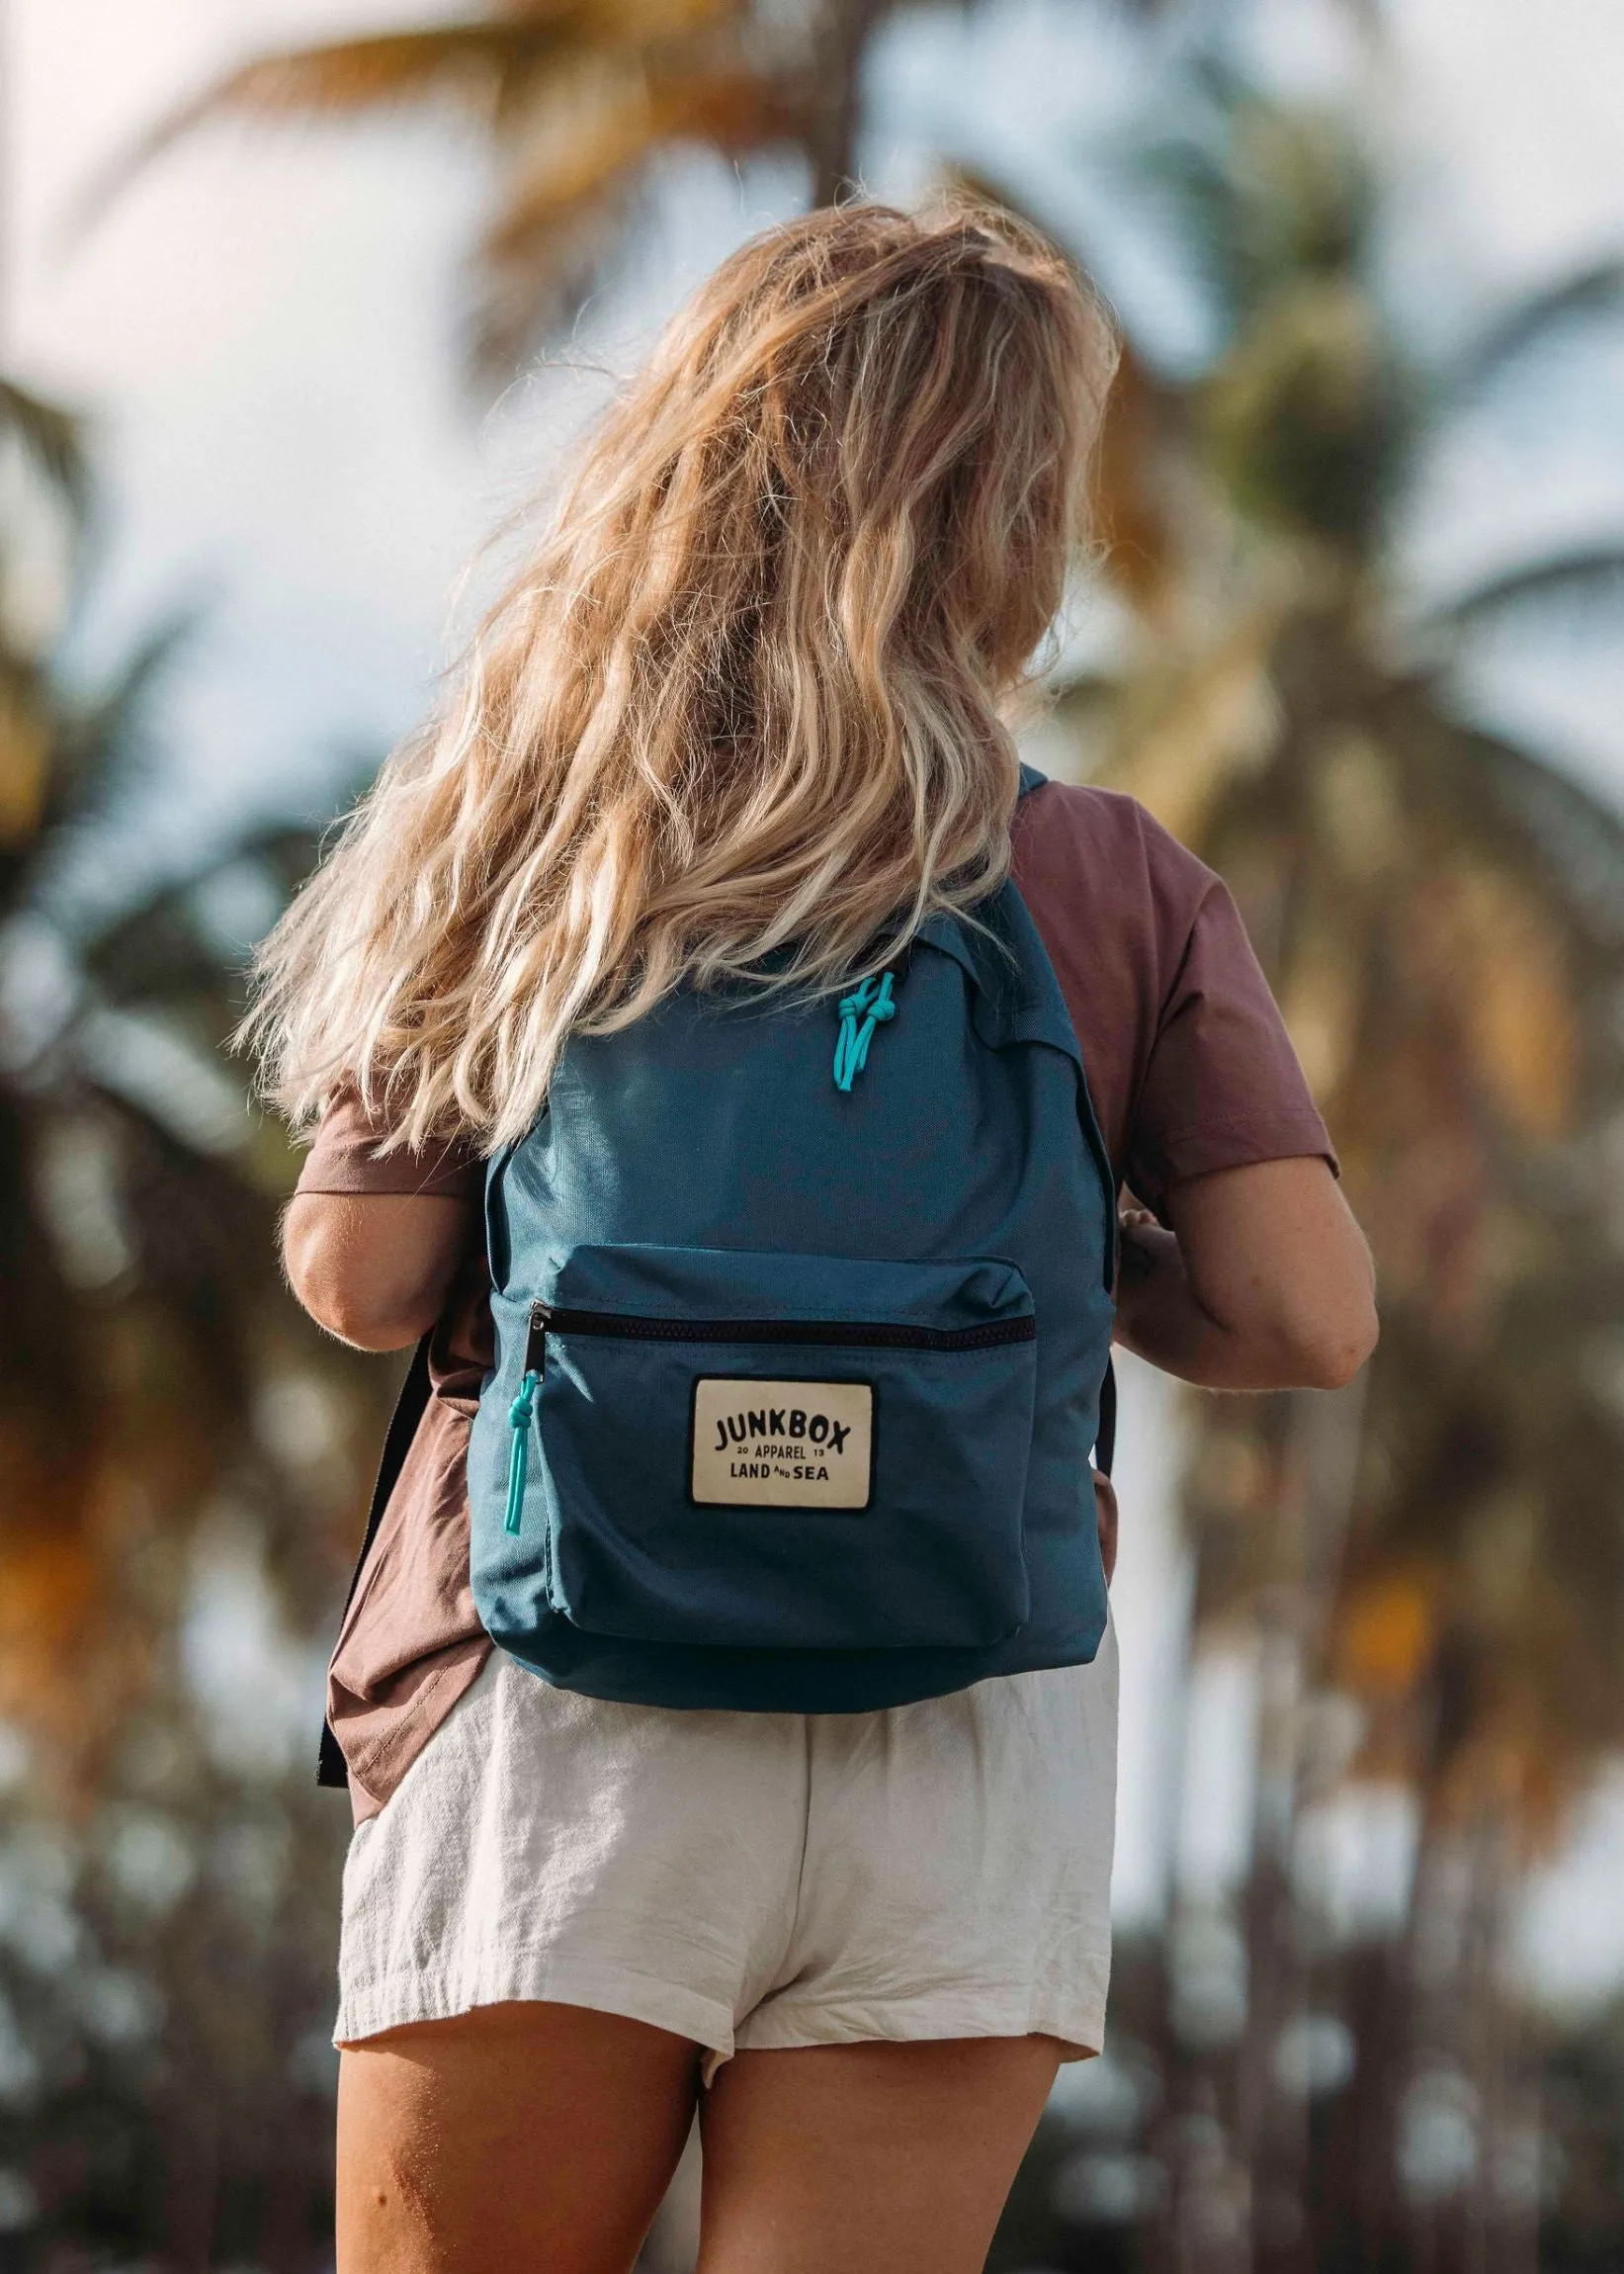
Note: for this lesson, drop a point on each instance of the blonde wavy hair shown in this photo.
(744, 711)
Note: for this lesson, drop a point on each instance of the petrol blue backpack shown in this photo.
(803, 1321)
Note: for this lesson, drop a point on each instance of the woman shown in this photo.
(743, 715)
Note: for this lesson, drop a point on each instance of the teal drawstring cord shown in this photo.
(871, 1003)
(520, 1414)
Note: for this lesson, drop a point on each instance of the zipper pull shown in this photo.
(521, 1414)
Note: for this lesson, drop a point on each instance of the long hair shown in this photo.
(742, 712)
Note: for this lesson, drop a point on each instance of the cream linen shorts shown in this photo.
(749, 1879)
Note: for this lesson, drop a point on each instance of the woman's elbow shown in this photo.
(341, 1286)
(366, 1325)
(1324, 1352)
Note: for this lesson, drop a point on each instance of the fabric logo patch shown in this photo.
(782, 1445)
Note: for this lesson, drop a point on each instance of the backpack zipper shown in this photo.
(627, 1326)
(863, 1334)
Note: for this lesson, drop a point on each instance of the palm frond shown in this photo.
(157, 953)
(1556, 828)
(1188, 185)
(470, 64)
(553, 246)
(100, 745)
(52, 437)
(1584, 575)
(349, 75)
(534, 73)
(549, 236)
(1258, 193)
(165, 951)
(287, 852)
(1597, 289)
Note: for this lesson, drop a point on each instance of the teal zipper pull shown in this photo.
(868, 1006)
(521, 1413)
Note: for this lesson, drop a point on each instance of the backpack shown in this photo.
(803, 1324)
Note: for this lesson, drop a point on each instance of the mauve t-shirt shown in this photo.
(1190, 1070)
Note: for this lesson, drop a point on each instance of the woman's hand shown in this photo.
(1145, 1251)
(1263, 1282)
(374, 1269)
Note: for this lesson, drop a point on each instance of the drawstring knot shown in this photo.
(868, 1005)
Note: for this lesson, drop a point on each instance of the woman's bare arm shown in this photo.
(374, 1269)
(1263, 1282)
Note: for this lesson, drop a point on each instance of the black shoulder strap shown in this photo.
(409, 1409)
(1105, 1435)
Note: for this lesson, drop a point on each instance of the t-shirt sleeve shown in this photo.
(1222, 1087)
(344, 1160)
(1190, 1065)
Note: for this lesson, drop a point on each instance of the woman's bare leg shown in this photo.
(876, 2158)
(512, 2139)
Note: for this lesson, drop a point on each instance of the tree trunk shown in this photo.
(1320, 1465)
(839, 43)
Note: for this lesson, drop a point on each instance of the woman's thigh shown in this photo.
(878, 2159)
(511, 2139)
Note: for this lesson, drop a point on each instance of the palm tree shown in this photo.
(577, 99)
(1438, 912)
(138, 1194)
(165, 1956)
(1441, 916)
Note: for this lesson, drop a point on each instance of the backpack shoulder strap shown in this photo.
(409, 1409)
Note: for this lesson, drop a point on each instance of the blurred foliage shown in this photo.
(1095, 2191)
(1426, 1573)
(166, 1954)
(139, 1193)
(1443, 919)
(181, 1459)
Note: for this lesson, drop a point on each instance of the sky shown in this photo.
(263, 331)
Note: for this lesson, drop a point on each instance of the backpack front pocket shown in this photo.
(766, 1451)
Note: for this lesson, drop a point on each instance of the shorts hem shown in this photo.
(537, 1977)
(1079, 2027)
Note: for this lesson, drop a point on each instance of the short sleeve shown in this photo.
(344, 1160)
(1188, 1062)
(1222, 1088)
